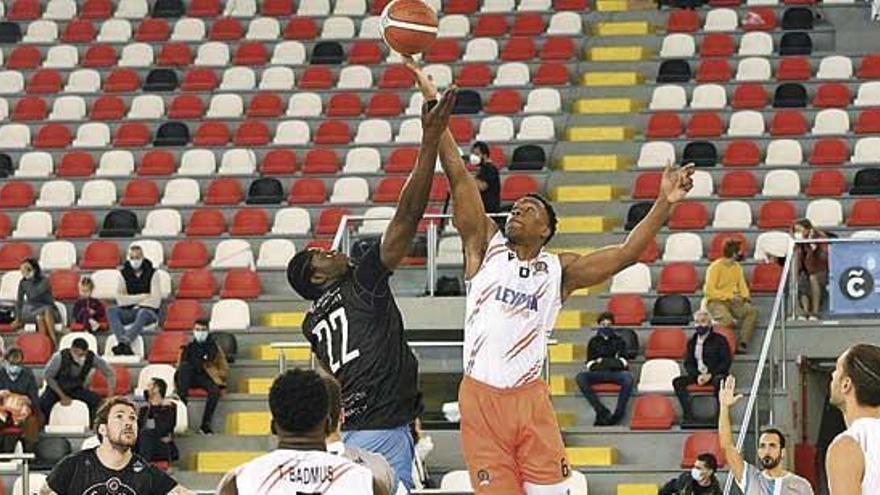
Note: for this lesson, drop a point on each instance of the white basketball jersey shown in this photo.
(866, 432)
(511, 308)
(287, 472)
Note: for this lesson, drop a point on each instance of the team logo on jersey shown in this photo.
(540, 267)
(483, 477)
(516, 299)
(113, 486)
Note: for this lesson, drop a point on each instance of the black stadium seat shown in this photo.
(797, 43)
(467, 101)
(119, 223)
(790, 95)
(265, 191)
(674, 71)
(671, 309)
(866, 181)
(161, 80)
(169, 9)
(797, 19)
(700, 153)
(50, 450)
(328, 52)
(10, 32)
(172, 134)
(631, 338)
(528, 157)
(636, 213)
(6, 168)
(227, 342)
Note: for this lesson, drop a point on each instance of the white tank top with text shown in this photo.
(286, 472)
(866, 432)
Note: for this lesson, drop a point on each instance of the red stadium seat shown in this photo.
(64, 284)
(832, 95)
(517, 186)
(794, 69)
(683, 21)
(140, 192)
(869, 68)
(13, 253)
(252, 133)
(152, 30)
(366, 52)
(108, 108)
(384, 104)
(528, 24)
(738, 185)
(321, 161)
(75, 224)
(196, 284)
(251, 53)
(96, 9)
(300, 28)
(16, 194)
(36, 347)
(377, 6)
(663, 125)
(443, 51)
(776, 214)
(474, 76)
(557, 48)
(44, 81)
(226, 29)
(388, 189)
(186, 107)
(78, 31)
(701, 442)
(241, 283)
(122, 81)
(460, 7)
(279, 162)
(166, 347)
(705, 124)
(826, 183)
(224, 191)
(277, 8)
(182, 314)
(652, 412)
(864, 213)
(329, 220)
(156, 162)
(551, 74)
(868, 122)
(189, 254)
(332, 132)
(628, 309)
(490, 26)
(132, 135)
(439, 188)
(99, 55)
(98, 384)
(100, 254)
(30, 108)
(315, 77)
(690, 215)
(717, 45)
(717, 245)
(713, 70)
(53, 136)
(788, 123)
(829, 151)
(401, 160)
(724, 3)
(320, 244)
(647, 185)
(519, 49)
(24, 10)
(496, 154)
(199, 80)
(651, 253)
(396, 77)
(24, 57)
(76, 164)
(462, 129)
(344, 105)
(211, 134)
(307, 191)
(765, 277)
(206, 222)
(204, 8)
(5, 225)
(759, 19)
(749, 95)
(250, 222)
(677, 278)
(741, 154)
(666, 343)
(575, 5)
(176, 54)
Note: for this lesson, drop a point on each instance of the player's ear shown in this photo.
(101, 431)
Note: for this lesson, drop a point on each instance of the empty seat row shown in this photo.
(789, 68)
(726, 19)
(707, 124)
(751, 44)
(28, 10)
(754, 95)
(679, 275)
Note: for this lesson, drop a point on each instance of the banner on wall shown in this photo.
(854, 277)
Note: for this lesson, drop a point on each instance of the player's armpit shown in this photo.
(845, 465)
(227, 485)
(379, 488)
(579, 271)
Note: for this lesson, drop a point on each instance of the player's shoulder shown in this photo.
(81, 457)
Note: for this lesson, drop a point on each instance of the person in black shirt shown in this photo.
(111, 468)
(700, 480)
(156, 422)
(487, 177)
(202, 364)
(354, 325)
(606, 364)
(707, 362)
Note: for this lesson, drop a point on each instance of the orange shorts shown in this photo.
(510, 436)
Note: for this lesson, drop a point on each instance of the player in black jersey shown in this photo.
(354, 325)
(111, 468)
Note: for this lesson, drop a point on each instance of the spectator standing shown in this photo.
(67, 374)
(606, 364)
(487, 177)
(202, 364)
(34, 303)
(812, 260)
(19, 398)
(156, 422)
(137, 302)
(700, 480)
(707, 362)
(88, 312)
(727, 294)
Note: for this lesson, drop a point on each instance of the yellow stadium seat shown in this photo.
(600, 133)
(624, 78)
(292, 319)
(612, 5)
(625, 28)
(266, 353)
(591, 456)
(256, 386)
(249, 423)
(631, 53)
(566, 419)
(221, 462)
(568, 319)
(607, 105)
(583, 224)
(594, 163)
(562, 385)
(563, 353)
(583, 193)
(637, 489)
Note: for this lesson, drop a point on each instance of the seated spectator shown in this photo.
(156, 422)
(202, 364)
(34, 303)
(67, 374)
(88, 312)
(700, 480)
(606, 364)
(486, 177)
(137, 302)
(19, 400)
(728, 296)
(707, 362)
(812, 266)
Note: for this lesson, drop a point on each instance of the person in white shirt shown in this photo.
(853, 460)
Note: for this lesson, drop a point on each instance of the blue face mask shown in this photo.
(13, 369)
(605, 331)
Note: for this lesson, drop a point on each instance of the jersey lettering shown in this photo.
(336, 322)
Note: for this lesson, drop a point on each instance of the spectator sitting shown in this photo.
(202, 364)
(812, 260)
(88, 312)
(67, 374)
(137, 303)
(19, 399)
(34, 303)
(606, 364)
(728, 296)
(700, 480)
(487, 177)
(707, 362)
(156, 422)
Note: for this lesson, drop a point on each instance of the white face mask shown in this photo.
(200, 335)
(79, 360)
(135, 264)
(696, 474)
(798, 235)
(475, 159)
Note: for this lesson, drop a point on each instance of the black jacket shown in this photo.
(612, 348)
(685, 485)
(716, 355)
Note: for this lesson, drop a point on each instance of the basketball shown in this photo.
(408, 26)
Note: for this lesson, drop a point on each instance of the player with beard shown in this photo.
(853, 461)
(112, 467)
(771, 478)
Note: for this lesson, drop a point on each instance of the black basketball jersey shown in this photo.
(356, 331)
(82, 473)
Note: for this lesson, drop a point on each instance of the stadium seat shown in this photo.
(635, 279)
(36, 347)
(666, 343)
(162, 222)
(784, 152)
(196, 284)
(732, 215)
(864, 213)
(166, 347)
(678, 45)
(678, 277)
(33, 224)
(765, 278)
(188, 254)
(832, 95)
(825, 213)
(206, 222)
(826, 183)
(249, 222)
(64, 284)
(181, 192)
(75, 224)
(652, 412)
(70, 419)
(776, 214)
(788, 123)
(753, 69)
(241, 284)
(746, 123)
(689, 215)
(794, 69)
(329, 219)
(718, 240)
(99, 385)
(657, 375)
(681, 21)
(709, 97)
(182, 314)
(781, 183)
(704, 124)
(57, 255)
(683, 246)
(668, 97)
(265, 105)
(738, 184)
(230, 315)
(233, 253)
(275, 253)
(698, 443)
(628, 309)
(835, 67)
(866, 180)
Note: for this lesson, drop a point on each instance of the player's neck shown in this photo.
(302, 443)
(855, 412)
(112, 457)
(334, 437)
(524, 252)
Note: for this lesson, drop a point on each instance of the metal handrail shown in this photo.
(25, 459)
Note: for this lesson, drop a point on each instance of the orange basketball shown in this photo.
(408, 26)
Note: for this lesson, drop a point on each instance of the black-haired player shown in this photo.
(354, 325)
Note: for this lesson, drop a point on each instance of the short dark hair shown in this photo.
(862, 366)
(334, 400)
(87, 281)
(203, 322)
(551, 213)
(299, 276)
(709, 459)
(14, 351)
(299, 401)
(35, 266)
(482, 146)
(161, 385)
(771, 430)
(731, 247)
(803, 222)
(605, 315)
(80, 343)
(103, 413)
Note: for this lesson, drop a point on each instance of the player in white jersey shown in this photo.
(853, 460)
(299, 402)
(510, 437)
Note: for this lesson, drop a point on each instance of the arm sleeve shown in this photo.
(591, 349)
(59, 479)
(371, 276)
(709, 288)
(743, 285)
(726, 358)
(33, 392)
(51, 369)
(690, 362)
(19, 300)
(100, 311)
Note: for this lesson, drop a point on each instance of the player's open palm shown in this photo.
(435, 114)
(676, 182)
(727, 396)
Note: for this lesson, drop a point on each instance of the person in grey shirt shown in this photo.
(67, 374)
(34, 303)
(771, 478)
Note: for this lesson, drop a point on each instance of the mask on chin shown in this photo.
(475, 159)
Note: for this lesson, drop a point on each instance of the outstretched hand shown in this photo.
(676, 182)
(424, 81)
(727, 396)
(435, 114)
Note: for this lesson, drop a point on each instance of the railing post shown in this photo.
(432, 257)
(25, 477)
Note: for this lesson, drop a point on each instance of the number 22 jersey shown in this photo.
(356, 330)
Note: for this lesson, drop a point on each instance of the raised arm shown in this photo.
(590, 269)
(845, 465)
(414, 197)
(727, 398)
(468, 215)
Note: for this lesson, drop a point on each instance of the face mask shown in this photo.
(27, 275)
(136, 264)
(13, 369)
(798, 235)
(605, 331)
(696, 474)
(475, 159)
(79, 360)
(200, 335)
(703, 330)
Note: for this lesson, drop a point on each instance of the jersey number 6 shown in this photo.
(335, 324)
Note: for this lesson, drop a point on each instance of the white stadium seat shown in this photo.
(753, 69)
(656, 154)
(225, 106)
(410, 131)
(668, 97)
(70, 419)
(85, 81)
(137, 346)
(512, 74)
(536, 128)
(57, 254)
(33, 224)
(376, 220)
(363, 160)
(150, 371)
(114, 31)
(456, 481)
(92, 135)
(132, 9)
(15, 136)
(565, 24)
(163, 222)
(756, 44)
(230, 314)
(732, 214)
(784, 152)
(534, 6)
(116, 163)
(238, 79)
(772, 243)
(835, 67)
(825, 213)
(238, 162)
(35, 164)
(350, 7)
(703, 185)
(60, 10)
(348, 190)
(314, 8)
(41, 31)
(635, 279)
(35, 482)
(831, 121)
(453, 26)
(61, 57)
(721, 20)
(292, 132)
(497, 6)
(277, 79)
(240, 8)
(868, 95)
(188, 29)
(496, 128)
(95, 193)
(337, 28)
(369, 29)
(181, 192)
(233, 253)
(746, 123)
(781, 183)
(657, 375)
(543, 100)
(678, 45)
(867, 150)
(683, 246)
(449, 251)
(56, 193)
(292, 221)
(107, 283)
(68, 108)
(439, 73)
(275, 253)
(480, 50)
(11, 82)
(9, 283)
(264, 29)
(709, 97)
(355, 77)
(136, 55)
(305, 105)
(212, 54)
(197, 162)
